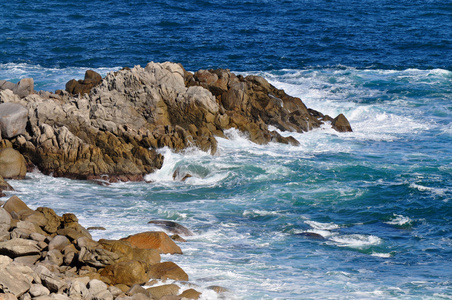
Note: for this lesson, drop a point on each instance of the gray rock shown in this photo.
(12, 163)
(38, 237)
(28, 260)
(5, 221)
(96, 286)
(55, 257)
(37, 290)
(103, 295)
(13, 281)
(19, 247)
(78, 290)
(24, 87)
(59, 242)
(115, 291)
(13, 119)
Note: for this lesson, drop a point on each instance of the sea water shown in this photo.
(360, 215)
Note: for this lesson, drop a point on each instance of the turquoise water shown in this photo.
(361, 215)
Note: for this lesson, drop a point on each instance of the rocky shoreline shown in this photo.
(47, 256)
(112, 127)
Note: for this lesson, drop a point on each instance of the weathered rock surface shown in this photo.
(37, 261)
(154, 240)
(115, 125)
(12, 164)
(13, 119)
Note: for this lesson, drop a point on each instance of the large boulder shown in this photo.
(15, 206)
(154, 240)
(167, 270)
(13, 281)
(19, 247)
(127, 272)
(12, 164)
(13, 119)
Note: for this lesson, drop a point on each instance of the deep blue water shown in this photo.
(240, 35)
(380, 197)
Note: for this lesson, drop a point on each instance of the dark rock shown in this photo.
(311, 235)
(91, 80)
(172, 227)
(341, 124)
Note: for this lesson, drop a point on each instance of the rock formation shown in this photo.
(47, 256)
(114, 125)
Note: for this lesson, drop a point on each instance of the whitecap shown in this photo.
(322, 226)
(357, 241)
(399, 220)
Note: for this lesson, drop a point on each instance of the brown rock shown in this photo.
(154, 240)
(12, 164)
(4, 186)
(16, 206)
(190, 294)
(53, 220)
(167, 270)
(126, 272)
(163, 290)
(341, 124)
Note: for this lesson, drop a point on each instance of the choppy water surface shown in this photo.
(362, 215)
(344, 215)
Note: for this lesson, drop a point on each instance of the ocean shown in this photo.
(360, 215)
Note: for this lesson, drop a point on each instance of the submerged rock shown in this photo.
(172, 227)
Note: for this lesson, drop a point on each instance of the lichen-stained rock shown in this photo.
(154, 240)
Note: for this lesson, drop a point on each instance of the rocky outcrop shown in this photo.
(115, 125)
(39, 261)
(84, 86)
(22, 89)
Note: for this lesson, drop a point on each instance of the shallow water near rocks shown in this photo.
(361, 215)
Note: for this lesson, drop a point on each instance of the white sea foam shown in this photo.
(48, 79)
(357, 241)
(399, 220)
(322, 226)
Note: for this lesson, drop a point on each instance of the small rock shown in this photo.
(59, 242)
(37, 290)
(96, 286)
(341, 124)
(5, 221)
(190, 294)
(173, 227)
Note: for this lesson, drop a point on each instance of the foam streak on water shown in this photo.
(343, 216)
